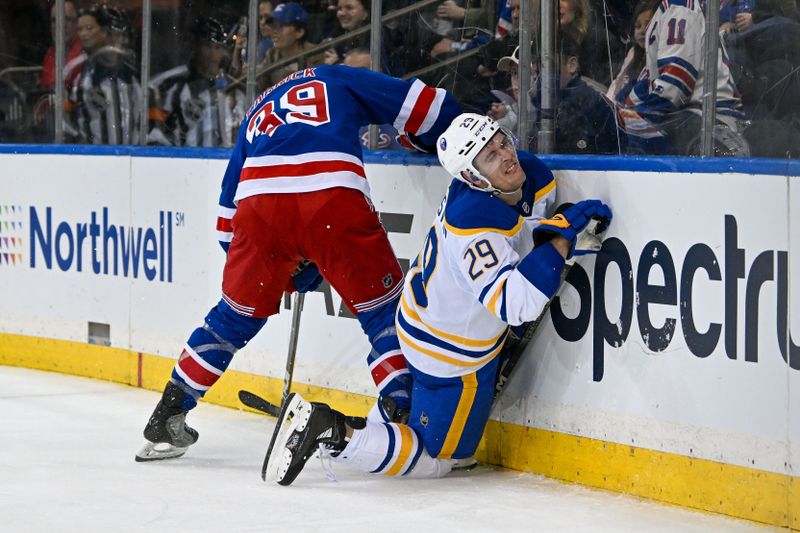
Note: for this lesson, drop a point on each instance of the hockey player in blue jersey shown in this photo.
(477, 274)
(295, 190)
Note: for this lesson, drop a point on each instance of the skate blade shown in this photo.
(293, 419)
(152, 451)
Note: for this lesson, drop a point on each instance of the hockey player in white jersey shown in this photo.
(669, 93)
(478, 272)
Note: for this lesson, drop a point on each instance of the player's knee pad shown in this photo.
(210, 348)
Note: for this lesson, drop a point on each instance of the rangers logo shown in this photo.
(387, 281)
(442, 144)
(423, 419)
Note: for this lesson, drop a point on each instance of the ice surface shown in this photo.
(66, 464)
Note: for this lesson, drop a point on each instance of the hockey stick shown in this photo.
(258, 403)
(515, 347)
(254, 401)
(297, 308)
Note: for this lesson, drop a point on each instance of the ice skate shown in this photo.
(302, 427)
(166, 432)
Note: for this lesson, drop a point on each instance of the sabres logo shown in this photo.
(423, 419)
(443, 144)
(387, 281)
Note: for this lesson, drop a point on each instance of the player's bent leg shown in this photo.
(391, 449)
(386, 364)
(349, 245)
(206, 356)
(210, 349)
(450, 414)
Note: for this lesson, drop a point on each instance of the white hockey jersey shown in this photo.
(469, 282)
(674, 75)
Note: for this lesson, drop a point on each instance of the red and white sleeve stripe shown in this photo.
(224, 223)
(420, 109)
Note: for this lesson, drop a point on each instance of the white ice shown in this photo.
(66, 464)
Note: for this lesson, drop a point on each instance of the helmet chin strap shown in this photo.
(491, 189)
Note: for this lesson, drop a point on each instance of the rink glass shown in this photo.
(456, 45)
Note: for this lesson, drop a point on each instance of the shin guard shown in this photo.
(209, 350)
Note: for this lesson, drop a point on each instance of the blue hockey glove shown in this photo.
(307, 277)
(571, 222)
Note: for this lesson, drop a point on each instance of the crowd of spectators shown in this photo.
(630, 73)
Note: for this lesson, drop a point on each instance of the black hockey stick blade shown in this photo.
(258, 403)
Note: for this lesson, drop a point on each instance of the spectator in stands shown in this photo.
(265, 10)
(238, 66)
(577, 19)
(74, 60)
(352, 15)
(103, 106)
(735, 15)
(669, 94)
(506, 40)
(585, 123)
(189, 104)
(634, 62)
(288, 31)
(764, 51)
(74, 52)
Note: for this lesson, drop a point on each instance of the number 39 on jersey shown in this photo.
(306, 103)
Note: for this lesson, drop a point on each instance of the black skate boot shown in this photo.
(166, 432)
(302, 427)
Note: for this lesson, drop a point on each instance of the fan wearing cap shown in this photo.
(477, 274)
(584, 120)
(288, 31)
(190, 104)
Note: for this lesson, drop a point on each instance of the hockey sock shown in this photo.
(209, 350)
(386, 362)
(391, 450)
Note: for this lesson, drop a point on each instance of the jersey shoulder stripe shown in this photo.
(471, 212)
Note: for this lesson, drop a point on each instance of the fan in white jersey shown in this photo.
(667, 99)
(478, 272)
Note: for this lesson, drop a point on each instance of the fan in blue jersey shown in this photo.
(477, 274)
(296, 190)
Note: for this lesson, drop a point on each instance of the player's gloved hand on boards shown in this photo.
(414, 143)
(571, 222)
(307, 277)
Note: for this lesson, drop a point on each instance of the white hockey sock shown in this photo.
(392, 450)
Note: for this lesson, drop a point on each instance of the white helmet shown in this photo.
(458, 146)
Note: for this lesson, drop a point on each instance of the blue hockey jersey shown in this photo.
(302, 134)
